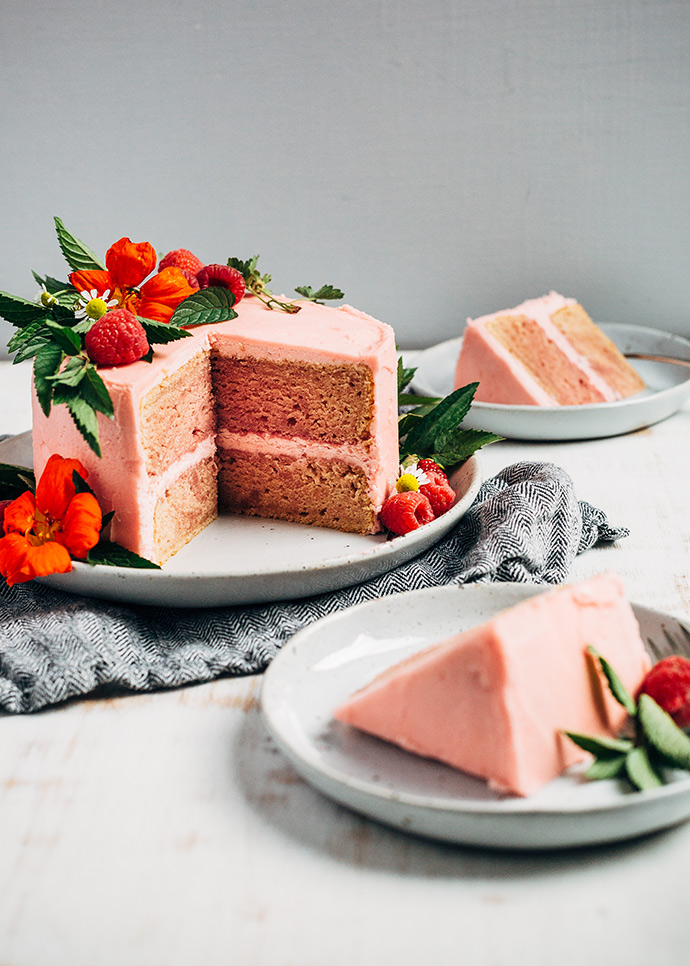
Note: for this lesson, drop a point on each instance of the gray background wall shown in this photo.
(435, 159)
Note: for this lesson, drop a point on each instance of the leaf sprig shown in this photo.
(658, 743)
(258, 284)
(433, 430)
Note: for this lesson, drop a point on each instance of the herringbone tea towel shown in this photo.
(525, 525)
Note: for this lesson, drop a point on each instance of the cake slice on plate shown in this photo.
(493, 701)
(544, 352)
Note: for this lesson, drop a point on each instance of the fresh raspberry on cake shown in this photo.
(181, 258)
(407, 511)
(225, 277)
(191, 278)
(116, 339)
(668, 683)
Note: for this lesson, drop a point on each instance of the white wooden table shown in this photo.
(167, 829)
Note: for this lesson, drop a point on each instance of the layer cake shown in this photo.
(493, 701)
(286, 416)
(544, 352)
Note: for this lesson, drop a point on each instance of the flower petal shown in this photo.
(129, 263)
(161, 295)
(93, 280)
(81, 525)
(20, 514)
(19, 561)
(56, 488)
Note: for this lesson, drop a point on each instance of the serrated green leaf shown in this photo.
(159, 333)
(110, 554)
(79, 256)
(73, 373)
(80, 484)
(46, 364)
(604, 768)
(15, 480)
(641, 771)
(405, 376)
(69, 341)
(27, 342)
(107, 517)
(616, 686)
(443, 419)
(662, 733)
(84, 417)
(326, 292)
(463, 444)
(409, 399)
(21, 312)
(94, 391)
(601, 746)
(212, 304)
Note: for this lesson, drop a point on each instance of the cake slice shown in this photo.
(493, 701)
(544, 352)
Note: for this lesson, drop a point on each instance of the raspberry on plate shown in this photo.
(116, 339)
(222, 275)
(403, 512)
(439, 493)
(432, 469)
(668, 683)
(181, 258)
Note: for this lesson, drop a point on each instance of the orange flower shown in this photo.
(127, 265)
(44, 531)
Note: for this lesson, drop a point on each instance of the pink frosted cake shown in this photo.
(493, 701)
(293, 417)
(545, 352)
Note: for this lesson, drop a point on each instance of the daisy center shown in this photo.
(95, 308)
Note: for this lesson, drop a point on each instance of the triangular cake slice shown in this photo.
(493, 701)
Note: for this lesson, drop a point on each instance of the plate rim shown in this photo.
(504, 809)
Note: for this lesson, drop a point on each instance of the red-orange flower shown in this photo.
(127, 265)
(43, 532)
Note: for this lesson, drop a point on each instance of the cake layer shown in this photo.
(493, 701)
(306, 399)
(307, 489)
(184, 509)
(544, 352)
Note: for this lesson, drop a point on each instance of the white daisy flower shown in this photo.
(91, 305)
(411, 478)
(45, 297)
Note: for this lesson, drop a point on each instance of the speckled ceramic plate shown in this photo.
(329, 660)
(240, 560)
(668, 386)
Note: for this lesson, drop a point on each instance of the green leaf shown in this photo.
(83, 414)
(162, 332)
(21, 312)
(601, 746)
(27, 342)
(73, 372)
(110, 554)
(616, 686)
(80, 484)
(47, 363)
(213, 304)
(409, 399)
(15, 480)
(107, 517)
(405, 376)
(606, 768)
(443, 419)
(662, 733)
(326, 292)
(94, 391)
(68, 340)
(464, 443)
(641, 771)
(79, 256)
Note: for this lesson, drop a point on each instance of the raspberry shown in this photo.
(224, 276)
(432, 469)
(439, 493)
(116, 339)
(191, 277)
(407, 511)
(181, 258)
(668, 683)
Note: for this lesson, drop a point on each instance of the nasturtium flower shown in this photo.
(44, 531)
(127, 265)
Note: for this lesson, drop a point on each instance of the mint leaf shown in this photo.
(83, 415)
(68, 340)
(78, 256)
(110, 554)
(94, 391)
(73, 372)
(601, 746)
(409, 399)
(212, 304)
(162, 332)
(80, 484)
(326, 292)
(616, 686)
(21, 312)
(405, 376)
(462, 444)
(606, 768)
(47, 363)
(641, 771)
(15, 480)
(662, 733)
(27, 342)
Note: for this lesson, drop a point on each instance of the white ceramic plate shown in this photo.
(668, 388)
(326, 662)
(240, 560)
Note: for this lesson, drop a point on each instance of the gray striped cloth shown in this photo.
(525, 525)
